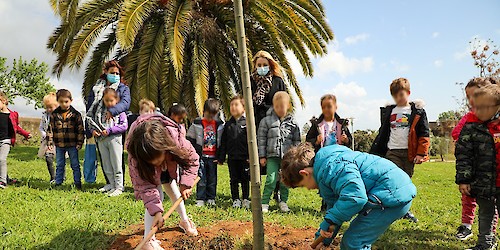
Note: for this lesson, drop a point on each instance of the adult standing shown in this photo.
(112, 77)
(266, 79)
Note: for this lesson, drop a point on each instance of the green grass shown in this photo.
(36, 216)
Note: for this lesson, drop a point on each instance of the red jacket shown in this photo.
(14, 119)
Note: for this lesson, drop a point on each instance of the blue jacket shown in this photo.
(122, 106)
(351, 182)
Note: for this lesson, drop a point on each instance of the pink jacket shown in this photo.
(455, 133)
(147, 191)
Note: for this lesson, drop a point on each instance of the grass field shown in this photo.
(36, 216)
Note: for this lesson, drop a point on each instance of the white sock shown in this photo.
(469, 226)
(148, 219)
(173, 192)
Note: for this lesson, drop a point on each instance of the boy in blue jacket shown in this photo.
(351, 183)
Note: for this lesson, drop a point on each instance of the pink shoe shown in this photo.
(189, 227)
(153, 244)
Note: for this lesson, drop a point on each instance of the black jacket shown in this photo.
(261, 110)
(418, 139)
(234, 140)
(313, 132)
(476, 162)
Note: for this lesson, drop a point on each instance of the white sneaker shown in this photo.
(211, 202)
(189, 227)
(284, 207)
(200, 203)
(265, 208)
(246, 204)
(106, 188)
(237, 203)
(153, 244)
(116, 192)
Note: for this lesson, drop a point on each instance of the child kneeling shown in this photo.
(351, 183)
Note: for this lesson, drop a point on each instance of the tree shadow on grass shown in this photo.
(79, 239)
(23, 153)
(414, 238)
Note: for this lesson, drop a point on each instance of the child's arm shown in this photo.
(262, 138)
(124, 103)
(312, 134)
(191, 135)
(221, 151)
(464, 154)
(19, 129)
(296, 135)
(191, 164)
(120, 127)
(345, 129)
(145, 190)
(50, 131)
(352, 196)
(423, 136)
(43, 133)
(80, 131)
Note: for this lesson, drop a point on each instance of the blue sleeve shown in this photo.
(124, 104)
(352, 196)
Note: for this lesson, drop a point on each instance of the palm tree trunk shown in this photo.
(258, 221)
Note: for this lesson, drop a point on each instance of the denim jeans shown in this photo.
(61, 164)
(207, 186)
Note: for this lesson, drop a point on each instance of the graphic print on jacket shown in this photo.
(209, 137)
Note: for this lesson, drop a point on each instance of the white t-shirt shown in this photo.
(330, 133)
(400, 128)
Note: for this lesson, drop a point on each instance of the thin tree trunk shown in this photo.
(258, 221)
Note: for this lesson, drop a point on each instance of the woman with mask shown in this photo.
(267, 79)
(112, 77)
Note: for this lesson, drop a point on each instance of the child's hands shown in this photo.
(105, 133)
(29, 136)
(344, 138)
(186, 192)
(319, 139)
(50, 148)
(464, 189)
(263, 161)
(419, 159)
(318, 247)
(108, 115)
(326, 234)
(158, 220)
(95, 134)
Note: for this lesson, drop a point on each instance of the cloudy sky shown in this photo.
(425, 41)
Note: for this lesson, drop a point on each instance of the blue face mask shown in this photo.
(262, 71)
(112, 78)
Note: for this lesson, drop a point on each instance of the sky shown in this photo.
(375, 42)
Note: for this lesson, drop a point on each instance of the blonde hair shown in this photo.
(146, 104)
(274, 66)
(3, 97)
(281, 96)
(49, 98)
(399, 84)
(491, 90)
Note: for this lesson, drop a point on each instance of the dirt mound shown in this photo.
(223, 235)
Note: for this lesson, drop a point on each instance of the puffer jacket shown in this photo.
(195, 134)
(234, 142)
(351, 181)
(147, 191)
(313, 133)
(476, 159)
(418, 138)
(275, 137)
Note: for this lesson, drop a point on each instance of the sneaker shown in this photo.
(153, 244)
(246, 204)
(411, 217)
(265, 208)
(106, 188)
(284, 207)
(189, 227)
(13, 181)
(237, 203)
(3, 185)
(484, 247)
(78, 186)
(116, 192)
(200, 203)
(52, 182)
(211, 202)
(463, 233)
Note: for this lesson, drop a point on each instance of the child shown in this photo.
(205, 135)
(478, 160)
(404, 134)
(469, 204)
(50, 104)
(146, 107)
(67, 134)
(155, 144)
(328, 129)
(278, 132)
(234, 144)
(352, 183)
(9, 127)
(108, 134)
(178, 113)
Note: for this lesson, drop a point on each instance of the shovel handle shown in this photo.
(154, 229)
(321, 238)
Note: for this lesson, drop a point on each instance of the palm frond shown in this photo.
(199, 69)
(177, 17)
(132, 16)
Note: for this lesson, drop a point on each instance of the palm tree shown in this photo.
(184, 50)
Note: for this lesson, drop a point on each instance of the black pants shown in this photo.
(239, 172)
(49, 159)
(123, 160)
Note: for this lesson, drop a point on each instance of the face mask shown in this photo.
(262, 71)
(112, 78)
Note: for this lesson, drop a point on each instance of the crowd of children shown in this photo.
(165, 157)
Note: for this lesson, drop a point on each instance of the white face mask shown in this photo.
(262, 71)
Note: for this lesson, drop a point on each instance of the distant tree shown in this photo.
(451, 115)
(25, 79)
(439, 146)
(363, 139)
(306, 128)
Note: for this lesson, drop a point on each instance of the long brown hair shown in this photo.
(148, 141)
(111, 64)
(274, 66)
